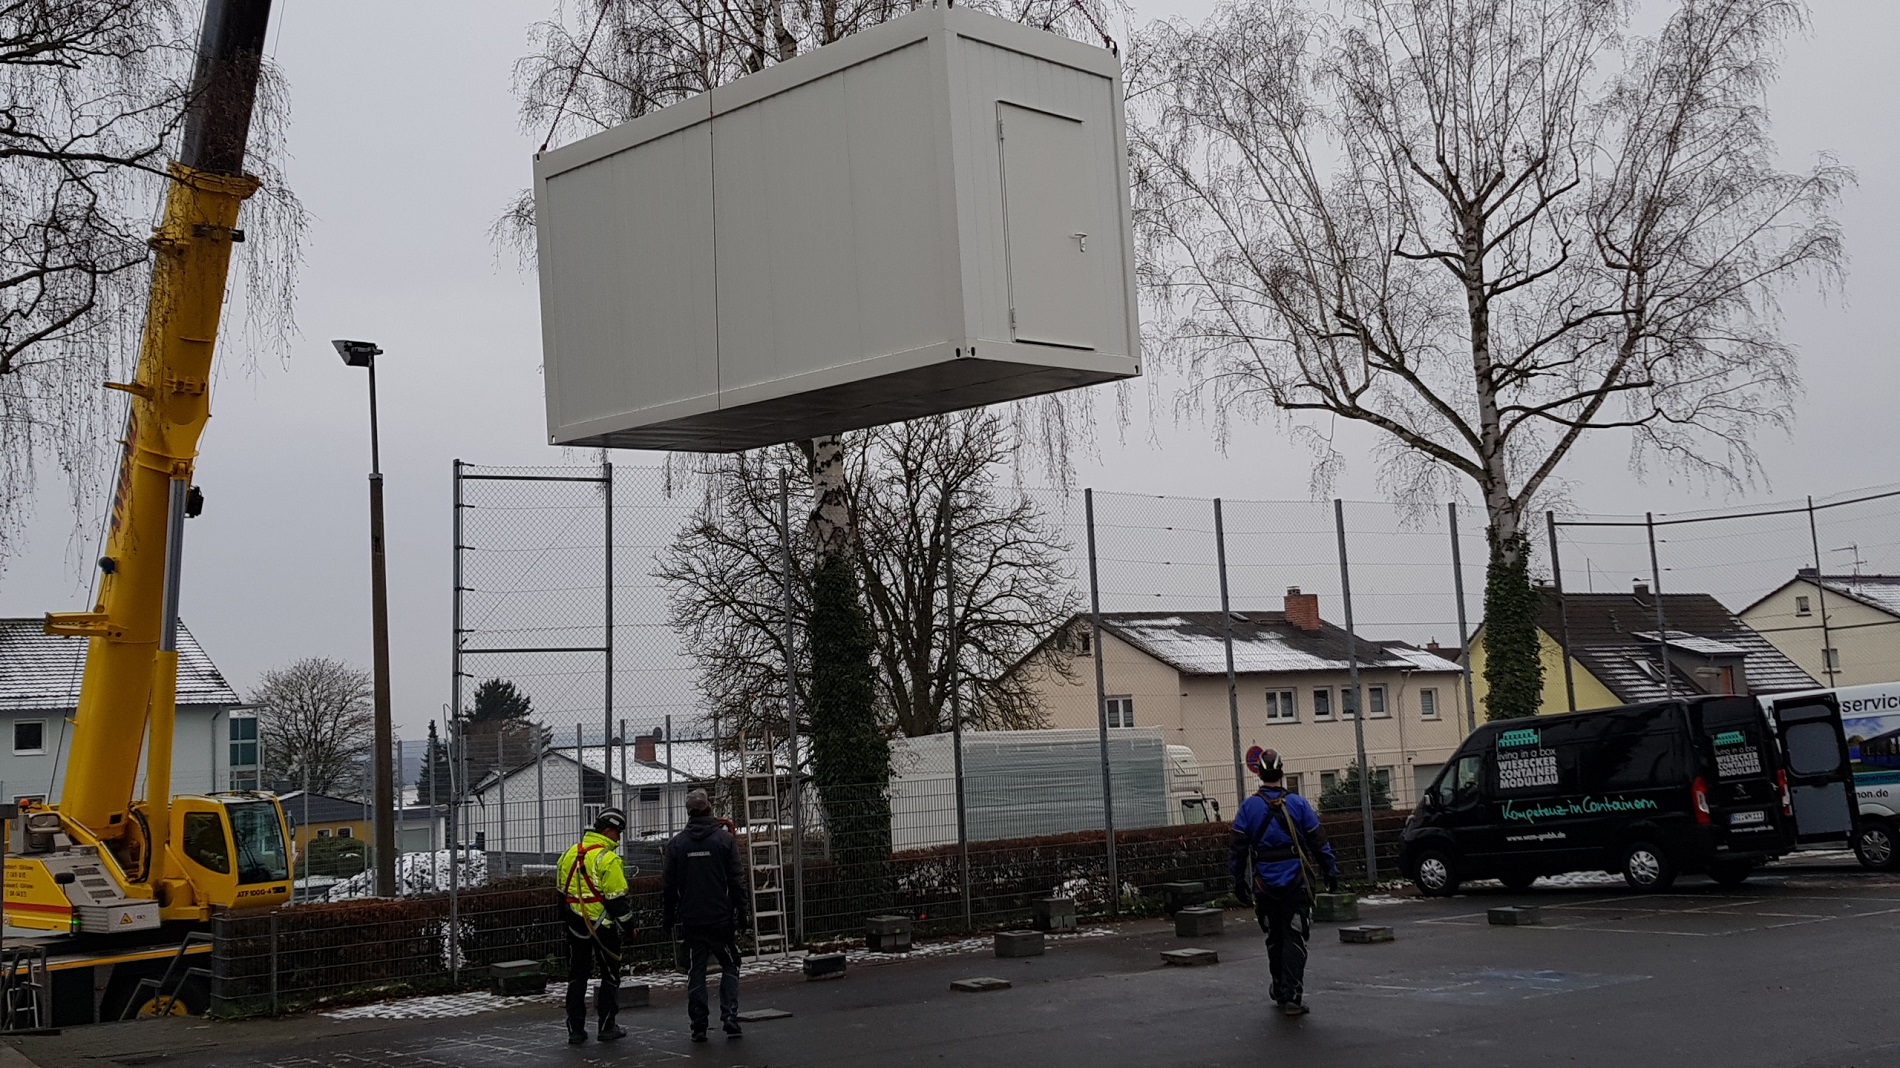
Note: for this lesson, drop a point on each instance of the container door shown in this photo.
(1820, 774)
(1054, 246)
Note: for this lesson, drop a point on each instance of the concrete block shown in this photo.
(1177, 896)
(1335, 908)
(1199, 922)
(762, 1015)
(1189, 958)
(824, 966)
(1019, 943)
(518, 978)
(979, 985)
(1365, 932)
(887, 934)
(1053, 913)
(1513, 915)
(635, 995)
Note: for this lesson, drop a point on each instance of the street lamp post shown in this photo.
(363, 354)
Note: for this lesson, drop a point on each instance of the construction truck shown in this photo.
(111, 871)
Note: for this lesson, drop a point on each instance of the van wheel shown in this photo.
(1435, 874)
(1730, 874)
(1647, 867)
(1517, 882)
(1874, 846)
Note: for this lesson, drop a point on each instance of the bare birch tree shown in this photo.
(927, 496)
(92, 101)
(1486, 230)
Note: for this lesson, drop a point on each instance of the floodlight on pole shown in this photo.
(363, 354)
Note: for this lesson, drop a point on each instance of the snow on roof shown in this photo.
(1880, 591)
(1195, 643)
(1692, 643)
(40, 671)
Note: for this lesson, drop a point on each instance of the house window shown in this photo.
(29, 737)
(323, 833)
(649, 795)
(1801, 607)
(1327, 780)
(1833, 659)
(1383, 776)
(1292, 783)
(1375, 703)
(243, 751)
(1428, 704)
(1322, 703)
(1083, 640)
(344, 832)
(1281, 707)
(1348, 703)
(1121, 711)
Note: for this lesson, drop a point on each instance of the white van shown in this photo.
(1870, 717)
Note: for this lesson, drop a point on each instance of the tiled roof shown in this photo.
(41, 672)
(1877, 591)
(1193, 643)
(1613, 635)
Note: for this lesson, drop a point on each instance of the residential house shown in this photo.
(1844, 629)
(313, 815)
(1619, 656)
(1169, 670)
(539, 807)
(214, 745)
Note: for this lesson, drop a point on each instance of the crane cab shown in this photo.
(225, 850)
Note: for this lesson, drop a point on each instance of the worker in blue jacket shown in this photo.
(1277, 851)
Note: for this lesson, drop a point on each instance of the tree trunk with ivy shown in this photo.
(1513, 661)
(850, 755)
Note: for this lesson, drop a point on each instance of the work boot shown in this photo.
(699, 1036)
(733, 1030)
(575, 1038)
(1296, 1007)
(611, 1031)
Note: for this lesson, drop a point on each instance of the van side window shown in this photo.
(1461, 779)
(1621, 752)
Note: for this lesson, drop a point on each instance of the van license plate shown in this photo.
(1748, 817)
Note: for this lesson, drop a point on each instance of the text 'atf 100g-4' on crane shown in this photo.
(101, 860)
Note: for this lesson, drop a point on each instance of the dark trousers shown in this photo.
(588, 955)
(705, 944)
(1285, 915)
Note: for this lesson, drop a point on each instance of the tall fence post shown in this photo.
(956, 720)
(1101, 706)
(273, 963)
(1662, 621)
(671, 827)
(580, 781)
(626, 795)
(791, 709)
(501, 788)
(1358, 706)
(435, 772)
(1464, 631)
(540, 796)
(457, 782)
(607, 643)
(1563, 613)
(1820, 593)
(1227, 636)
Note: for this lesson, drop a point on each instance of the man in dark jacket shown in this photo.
(1278, 849)
(703, 890)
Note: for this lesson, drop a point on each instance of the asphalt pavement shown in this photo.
(1793, 969)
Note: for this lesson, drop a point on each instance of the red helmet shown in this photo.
(1265, 763)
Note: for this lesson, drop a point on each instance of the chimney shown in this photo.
(1434, 648)
(644, 746)
(1302, 609)
(1642, 588)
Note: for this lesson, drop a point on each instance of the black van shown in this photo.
(1651, 791)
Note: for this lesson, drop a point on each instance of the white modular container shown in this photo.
(927, 216)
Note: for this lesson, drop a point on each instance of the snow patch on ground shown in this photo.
(473, 1003)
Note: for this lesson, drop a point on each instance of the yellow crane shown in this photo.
(103, 860)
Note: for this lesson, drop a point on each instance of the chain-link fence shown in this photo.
(1756, 600)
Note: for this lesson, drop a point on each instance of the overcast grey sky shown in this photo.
(405, 148)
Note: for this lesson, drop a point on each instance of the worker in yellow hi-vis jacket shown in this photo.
(599, 920)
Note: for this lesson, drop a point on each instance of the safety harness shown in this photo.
(580, 869)
(1295, 849)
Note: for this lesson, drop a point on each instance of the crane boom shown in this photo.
(127, 699)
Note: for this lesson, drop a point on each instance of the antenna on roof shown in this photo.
(1852, 548)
